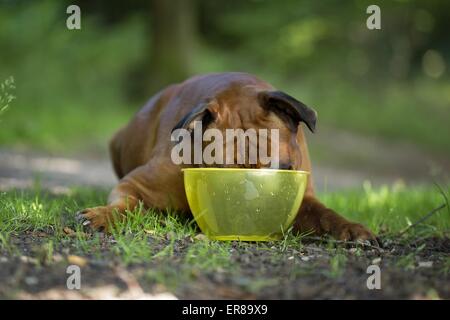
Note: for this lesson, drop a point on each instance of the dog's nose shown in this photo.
(285, 166)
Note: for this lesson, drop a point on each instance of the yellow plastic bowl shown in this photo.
(244, 204)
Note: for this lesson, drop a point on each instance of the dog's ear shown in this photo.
(288, 108)
(199, 113)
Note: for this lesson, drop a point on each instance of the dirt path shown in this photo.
(409, 270)
(23, 169)
(341, 160)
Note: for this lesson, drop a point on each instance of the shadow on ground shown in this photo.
(310, 270)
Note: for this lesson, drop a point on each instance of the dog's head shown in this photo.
(251, 108)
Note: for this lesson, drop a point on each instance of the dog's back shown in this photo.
(136, 143)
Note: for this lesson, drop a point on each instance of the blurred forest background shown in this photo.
(74, 88)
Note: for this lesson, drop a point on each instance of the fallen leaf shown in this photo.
(201, 237)
(304, 258)
(71, 233)
(68, 231)
(31, 281)
(425, 264)
(57, 258)
(79, 261)
(31, 260)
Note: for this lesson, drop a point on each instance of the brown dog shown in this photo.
(141, 152)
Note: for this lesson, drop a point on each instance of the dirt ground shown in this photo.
(259, 272)
(410, 269)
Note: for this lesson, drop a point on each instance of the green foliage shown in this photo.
(77, 84)
(371, 82)
(69, 83)
(386, 210)
(5, 94)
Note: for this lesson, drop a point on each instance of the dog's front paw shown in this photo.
(97, 218)
(353, 232)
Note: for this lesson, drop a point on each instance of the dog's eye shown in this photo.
(285, 116)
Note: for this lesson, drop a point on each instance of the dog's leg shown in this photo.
(314, 216)
(122, 198)
(143, 184)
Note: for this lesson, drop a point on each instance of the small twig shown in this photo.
(425, 217)
(441, 191)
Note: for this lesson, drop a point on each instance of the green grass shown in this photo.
(387, 210)
(391, 209)
(170, 246)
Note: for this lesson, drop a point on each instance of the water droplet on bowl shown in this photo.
(251, 192)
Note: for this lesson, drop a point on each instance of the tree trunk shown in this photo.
(173, 41)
